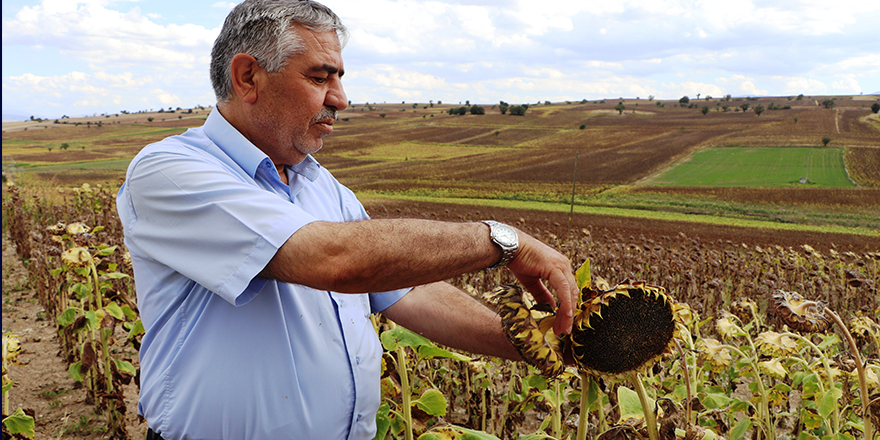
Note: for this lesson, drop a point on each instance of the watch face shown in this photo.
(506, 235)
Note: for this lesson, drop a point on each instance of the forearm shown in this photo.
(449, 316)
(380, 255)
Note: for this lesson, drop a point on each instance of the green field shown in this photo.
(760, 167)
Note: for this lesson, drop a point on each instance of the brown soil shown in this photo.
(42, 383)
(665, 233)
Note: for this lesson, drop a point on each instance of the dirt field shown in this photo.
(635, 231)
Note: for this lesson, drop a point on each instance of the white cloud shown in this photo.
(740, 85)
(846, 85)
(124, 54)
(224, 5)
(95, 34)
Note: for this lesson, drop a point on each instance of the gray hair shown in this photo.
(265, 30)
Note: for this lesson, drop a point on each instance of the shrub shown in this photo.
(875, 107)
(825, 141)
(477, 110)
(518, 110)
(684, 100)
(759, 109)
(828, 103)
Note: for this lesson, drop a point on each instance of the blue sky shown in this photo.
(103, 56)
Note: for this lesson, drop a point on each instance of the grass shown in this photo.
(760, 167)
(633, 213)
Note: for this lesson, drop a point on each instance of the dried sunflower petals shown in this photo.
(77, 228)
(78, 256)
(530, 331)
(714, 354)
(774, 368)
(725, 325)
(775, 344)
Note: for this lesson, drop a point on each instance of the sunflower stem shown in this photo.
(836, 416)
(584, 408)
(687, 382)
(650, 417)
(863, 384)
(557, 411)
(764, 409)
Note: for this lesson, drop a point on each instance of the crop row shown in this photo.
(739, 369)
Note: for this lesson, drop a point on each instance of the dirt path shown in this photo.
(42, 384)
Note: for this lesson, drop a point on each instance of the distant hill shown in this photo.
(8, 117)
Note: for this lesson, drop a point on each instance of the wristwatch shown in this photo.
(505, 237)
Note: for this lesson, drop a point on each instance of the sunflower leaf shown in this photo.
(582, 276)
(630, 405)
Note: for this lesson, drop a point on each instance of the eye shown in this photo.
(319, 79)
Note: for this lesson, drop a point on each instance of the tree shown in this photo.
(825, 141)
(759, 109)
(744, 106)
(704, 110)
(650, 97)
(477, 110)
(828, 103)
(620, 107)
(684, 100)
(518, 110)
(875, 107)
(503, 106)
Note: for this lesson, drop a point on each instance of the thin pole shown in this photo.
(573, 184)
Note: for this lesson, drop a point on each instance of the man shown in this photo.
(251, 261)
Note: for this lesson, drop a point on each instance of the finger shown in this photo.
(566, 291)
(538, 290)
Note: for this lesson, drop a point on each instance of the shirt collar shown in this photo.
(246, 154)
(233, 143)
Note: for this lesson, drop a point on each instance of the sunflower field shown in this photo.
(675, 339)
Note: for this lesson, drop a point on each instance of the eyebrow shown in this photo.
(329, 69)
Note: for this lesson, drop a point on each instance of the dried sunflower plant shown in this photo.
(619, 332)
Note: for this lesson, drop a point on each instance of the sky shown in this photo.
(76, 58)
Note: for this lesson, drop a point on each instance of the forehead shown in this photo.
(323, 45)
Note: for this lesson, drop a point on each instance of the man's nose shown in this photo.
(336, 98)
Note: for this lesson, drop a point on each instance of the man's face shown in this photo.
(297, 108)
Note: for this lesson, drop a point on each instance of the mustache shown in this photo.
(326, 113)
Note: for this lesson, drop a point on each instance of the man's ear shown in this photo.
(247, 75)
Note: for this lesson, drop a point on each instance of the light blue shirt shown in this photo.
(228, 354)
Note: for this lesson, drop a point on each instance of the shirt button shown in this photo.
(359, 418)
(357, 359)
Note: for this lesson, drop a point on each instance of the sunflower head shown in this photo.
(624, 328)
(864, 329)
(774, 344)
(76, 257)
(798, 313)
(745, 309)
(773, 367)
(529, 327)
(714, 354)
